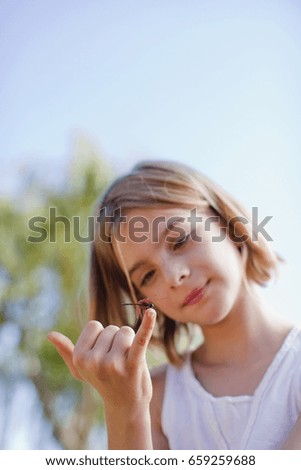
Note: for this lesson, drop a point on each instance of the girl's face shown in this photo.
(187, 279)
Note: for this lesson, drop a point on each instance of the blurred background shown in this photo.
(88, 88)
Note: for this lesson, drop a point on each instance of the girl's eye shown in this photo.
(181, 241)
(147, 277)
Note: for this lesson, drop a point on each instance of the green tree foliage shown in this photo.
(43, 286)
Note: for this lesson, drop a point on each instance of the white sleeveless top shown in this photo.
(192, 418)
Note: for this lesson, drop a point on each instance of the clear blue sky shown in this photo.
(213, 83)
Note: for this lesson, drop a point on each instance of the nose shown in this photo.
(175, 272)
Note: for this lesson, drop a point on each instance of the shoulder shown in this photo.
(294, 341)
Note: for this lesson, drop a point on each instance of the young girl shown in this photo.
(168, 234)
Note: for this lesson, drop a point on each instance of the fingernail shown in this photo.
(151, 313)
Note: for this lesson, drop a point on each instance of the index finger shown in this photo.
(143, 336)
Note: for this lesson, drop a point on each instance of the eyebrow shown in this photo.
(142, 262)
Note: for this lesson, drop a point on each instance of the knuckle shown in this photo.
(111, 329)
(127, 330)
(93, 323)
(142, 340)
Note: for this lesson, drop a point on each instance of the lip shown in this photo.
(195, 296)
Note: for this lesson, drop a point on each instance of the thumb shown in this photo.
(143, 336)
(65, 348)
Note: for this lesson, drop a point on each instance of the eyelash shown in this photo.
(146, 278)
(181, 242)
(175, 246)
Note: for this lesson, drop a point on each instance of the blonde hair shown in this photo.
(160, 184)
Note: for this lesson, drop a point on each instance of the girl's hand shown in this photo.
(112, 360)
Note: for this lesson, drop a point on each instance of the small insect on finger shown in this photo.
(141, 306)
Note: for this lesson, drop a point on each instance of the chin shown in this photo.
(216, 316)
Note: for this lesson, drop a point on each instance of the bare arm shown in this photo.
(113, 361)
(293, 442)
(160, 441)
(129, 429)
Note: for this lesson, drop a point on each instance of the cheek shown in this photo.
(232, 265)
(224, 258)
(155, 293)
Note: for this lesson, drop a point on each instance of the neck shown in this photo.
(249, 332)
